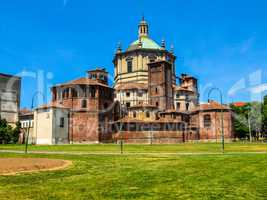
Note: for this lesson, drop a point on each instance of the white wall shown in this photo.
(60, 135)
(47, 128)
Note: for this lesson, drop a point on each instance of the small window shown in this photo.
(147, 114)
(207, 121)
(128, 104)
(177, 95)
(157, 103)
(134, 114)
(178, 105)
(94, 76)
(61, 125)
(187, 106)
(93, 93)
(129, 66)
(139, 94)
(84, 103)
(128, 94)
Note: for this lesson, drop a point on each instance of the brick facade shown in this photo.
(160, 90)
(145, 106)
(90, 101)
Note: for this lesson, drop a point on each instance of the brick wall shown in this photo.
(214, 131)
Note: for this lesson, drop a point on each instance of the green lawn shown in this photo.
(179, 148)
(144, 176)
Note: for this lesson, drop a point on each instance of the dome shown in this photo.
(147, 43)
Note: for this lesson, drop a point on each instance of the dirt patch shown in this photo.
(11, 166)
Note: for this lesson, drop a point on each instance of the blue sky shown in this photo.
(223, 43)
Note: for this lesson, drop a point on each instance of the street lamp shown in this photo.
(28, 131)
(221, 99)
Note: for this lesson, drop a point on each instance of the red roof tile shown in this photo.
(212, 105)
(82, 81)
(239, 104)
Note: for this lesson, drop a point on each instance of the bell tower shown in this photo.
(160, 89)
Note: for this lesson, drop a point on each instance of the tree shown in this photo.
(15, 133)
(7, 133)
(240, 121)
(255, 118)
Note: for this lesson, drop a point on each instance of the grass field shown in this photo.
(158, 176)
(175, 148)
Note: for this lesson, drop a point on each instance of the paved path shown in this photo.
(126, 153)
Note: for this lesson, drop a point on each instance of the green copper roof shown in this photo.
(147, 43)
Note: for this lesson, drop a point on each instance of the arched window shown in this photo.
(94, 76)
(178, 105)
(207, 121)
(92, 92)
(134, 114)
(65, 93)
(156, 90)
(129, 65)
(147, 114)
(74, 93)
(187, 106)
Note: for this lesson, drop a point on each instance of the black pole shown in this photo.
(121, 145)
(222, 123)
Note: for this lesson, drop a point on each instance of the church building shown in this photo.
(158, 109)
(146, 104)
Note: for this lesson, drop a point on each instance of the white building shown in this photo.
(51, 125)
